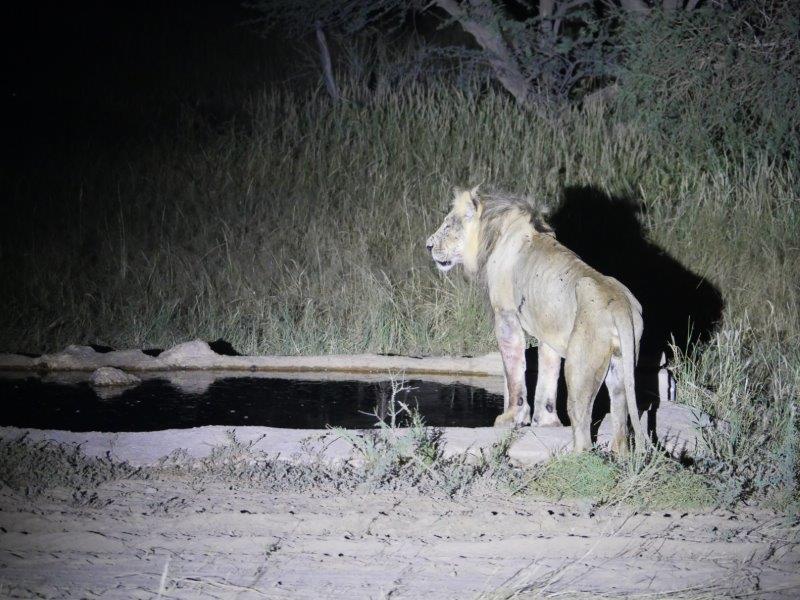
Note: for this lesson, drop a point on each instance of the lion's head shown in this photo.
(472, 228)
(455, 241)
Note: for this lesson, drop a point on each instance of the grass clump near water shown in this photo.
(413, 456)
(585, 475)
(747, 380)
(642, 481)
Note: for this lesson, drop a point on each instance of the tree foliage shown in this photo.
(538, 51)
(723, 72)
(721, 80)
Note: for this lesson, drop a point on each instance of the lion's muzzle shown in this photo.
(443, 265)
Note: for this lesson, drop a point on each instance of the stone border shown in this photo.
(198, 355)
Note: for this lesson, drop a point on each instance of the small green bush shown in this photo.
(655, 481)
(393, 456)
(585, 475)
(650, 481)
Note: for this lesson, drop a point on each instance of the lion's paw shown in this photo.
(545, 419)
(505, 420)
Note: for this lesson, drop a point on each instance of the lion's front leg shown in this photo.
(544, 399)
(511, 341)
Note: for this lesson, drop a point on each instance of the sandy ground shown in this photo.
(175, 538)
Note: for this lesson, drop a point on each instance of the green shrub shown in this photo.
(713, 79)
(650, 481)
(585, 475)
(655, 481)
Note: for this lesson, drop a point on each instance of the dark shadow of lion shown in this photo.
(678, 306)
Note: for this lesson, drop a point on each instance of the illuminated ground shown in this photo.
(181, 539)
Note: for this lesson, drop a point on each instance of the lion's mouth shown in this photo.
(444, 265)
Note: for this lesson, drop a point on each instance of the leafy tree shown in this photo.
(541, 51)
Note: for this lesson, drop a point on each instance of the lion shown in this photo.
(539, 287)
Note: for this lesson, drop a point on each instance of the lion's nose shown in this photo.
(429, 246)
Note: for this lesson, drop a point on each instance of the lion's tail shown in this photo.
(623, 320)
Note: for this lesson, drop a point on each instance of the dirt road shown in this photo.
(177, 538)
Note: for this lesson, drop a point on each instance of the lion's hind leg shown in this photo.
(619, 407)
(584, 369)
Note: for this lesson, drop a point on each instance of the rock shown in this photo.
(196, 353)
(111, 377)
(16, 361)
(128, 359)
(72, 357)
(80, 351)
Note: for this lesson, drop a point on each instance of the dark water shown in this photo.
(156, 404)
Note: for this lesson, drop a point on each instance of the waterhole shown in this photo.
(157, 404)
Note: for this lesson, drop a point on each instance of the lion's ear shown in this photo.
(540, 224)
(462, 203)
(467, 202)
(473, 195)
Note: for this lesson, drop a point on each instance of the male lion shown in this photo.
(538, 286)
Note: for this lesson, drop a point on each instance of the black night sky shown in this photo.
(110, 72)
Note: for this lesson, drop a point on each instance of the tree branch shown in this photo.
(325, 58)
(500, 58)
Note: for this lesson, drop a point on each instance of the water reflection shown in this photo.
(158, 404)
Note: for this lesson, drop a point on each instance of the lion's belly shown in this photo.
(547, 317)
